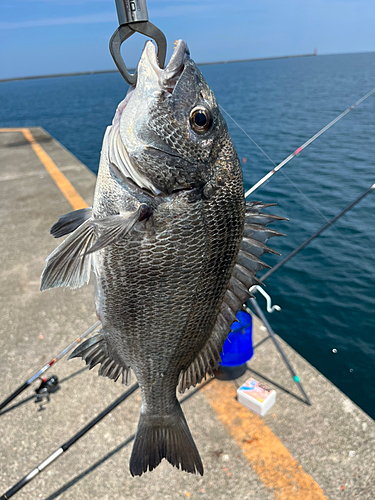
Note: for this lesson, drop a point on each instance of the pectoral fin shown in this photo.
(70, 222)
(70, 264)
(115, 227)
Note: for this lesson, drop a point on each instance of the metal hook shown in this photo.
(133, 17)
(270, 307)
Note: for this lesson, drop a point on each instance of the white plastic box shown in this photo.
(256, 396)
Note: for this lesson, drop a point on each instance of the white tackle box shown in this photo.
(256, 396)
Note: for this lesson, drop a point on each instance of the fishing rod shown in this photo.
(51, 458)
(24, 386)
(255, 288)
(298, 150)
(122, 398)
(272, 334)
(133, 17)
(317, 233)
(64, 447)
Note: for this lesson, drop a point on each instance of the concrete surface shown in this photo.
(333, 440)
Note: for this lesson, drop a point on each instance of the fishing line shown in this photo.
(316, 234)
(248, 136)
(298, 150)
(265, 179)
(285, 175)
(307, 143)
(324, 217)
(354, 249)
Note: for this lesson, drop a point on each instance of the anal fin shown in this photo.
(94, 351)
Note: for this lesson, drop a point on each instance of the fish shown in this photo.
(173, 246)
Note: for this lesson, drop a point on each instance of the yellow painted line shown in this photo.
(11, 129)
(61, 181)
(270, 459)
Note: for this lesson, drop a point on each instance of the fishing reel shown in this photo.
(47, 386)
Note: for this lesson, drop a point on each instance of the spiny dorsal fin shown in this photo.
(257, 206)
(243, 277)
(260, 232)
(255, 247)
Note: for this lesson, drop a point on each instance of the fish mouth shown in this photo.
(169, 76)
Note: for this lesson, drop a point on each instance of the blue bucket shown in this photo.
(238, 347)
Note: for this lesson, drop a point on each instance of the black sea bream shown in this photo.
(173, 245)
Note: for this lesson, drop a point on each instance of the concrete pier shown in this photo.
(323, 451)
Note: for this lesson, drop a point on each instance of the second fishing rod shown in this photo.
(122, 398)
(277, 266)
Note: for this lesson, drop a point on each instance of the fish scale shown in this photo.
(224, 223)
(144, 280)
(173, 246)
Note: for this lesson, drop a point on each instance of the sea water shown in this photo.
(327, 292)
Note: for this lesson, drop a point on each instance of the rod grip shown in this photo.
(14, 395)
(15, 488)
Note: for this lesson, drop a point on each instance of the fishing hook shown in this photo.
(133, 17)
(270, 307)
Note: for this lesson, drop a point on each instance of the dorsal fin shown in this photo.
(243, 277)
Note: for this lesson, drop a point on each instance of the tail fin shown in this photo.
(164, 437)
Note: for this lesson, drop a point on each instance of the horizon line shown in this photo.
(104, 71)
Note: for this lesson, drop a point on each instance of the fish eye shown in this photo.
(200, 119)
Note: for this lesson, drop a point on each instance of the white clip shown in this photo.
(270, 307)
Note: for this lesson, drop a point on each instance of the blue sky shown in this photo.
(58, 36)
